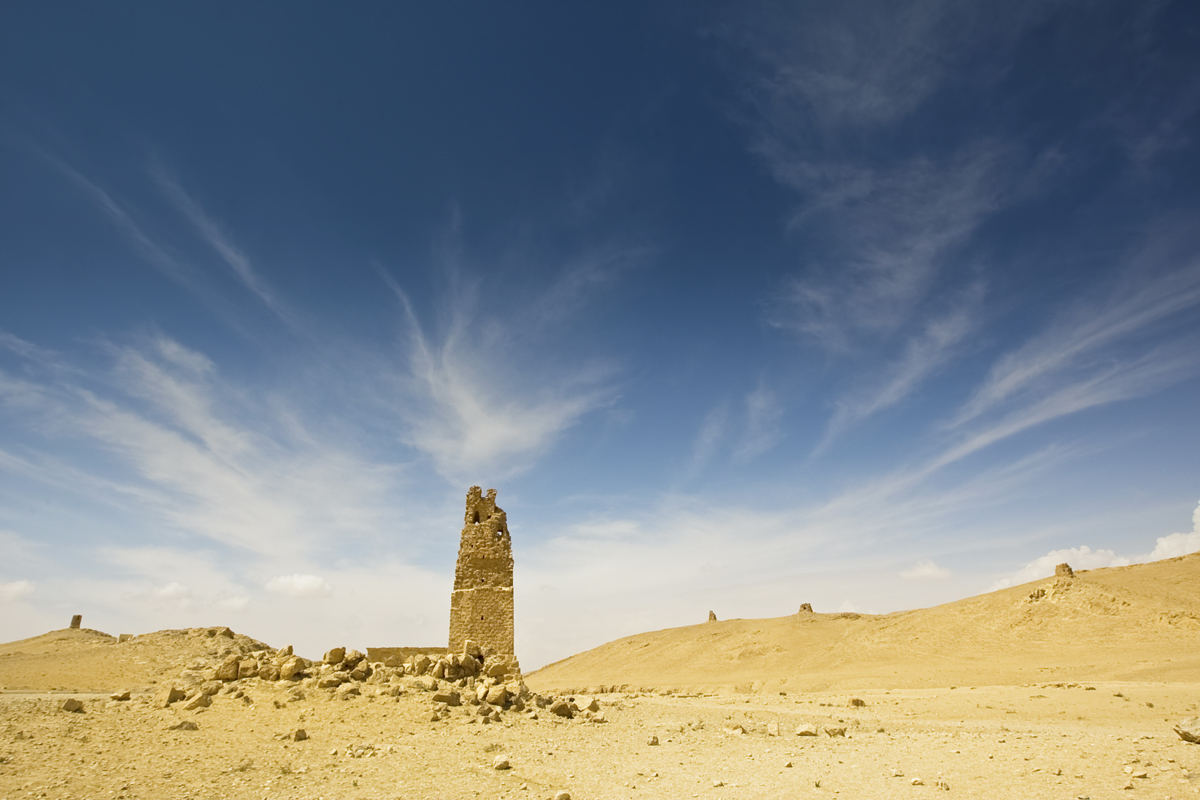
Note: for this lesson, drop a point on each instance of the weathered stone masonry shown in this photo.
(481, 605)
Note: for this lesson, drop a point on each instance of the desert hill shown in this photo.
(88, 660)
(1136, 623)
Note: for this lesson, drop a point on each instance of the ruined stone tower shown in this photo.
(481, 605)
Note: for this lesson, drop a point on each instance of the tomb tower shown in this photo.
(481, 605)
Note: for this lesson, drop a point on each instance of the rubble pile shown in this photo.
(479, 686)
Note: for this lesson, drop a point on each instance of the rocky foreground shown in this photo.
(402, 738)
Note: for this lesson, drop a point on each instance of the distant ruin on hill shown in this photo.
(481, 604)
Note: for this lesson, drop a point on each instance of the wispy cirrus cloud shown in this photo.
(892, 230)
(924, 354)
(471, 405)
(1083, 337)
(196, 454)
(762, 429)
(212, 234)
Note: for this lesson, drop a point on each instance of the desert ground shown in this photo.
(1069, 687)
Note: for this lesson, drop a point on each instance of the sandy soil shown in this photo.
(723, 727)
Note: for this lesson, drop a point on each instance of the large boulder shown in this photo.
(291, 669)
(335, 656)
(228, 671)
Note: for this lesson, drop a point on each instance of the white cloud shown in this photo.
(298, 585)
(925, 569)
(15, 590)
(1177, 544)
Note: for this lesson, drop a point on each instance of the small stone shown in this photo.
(501, 762)
(942, 784)
(652, 741)
(897, 773)
(916, 782)
(772, 729)
(806, 730)
(831, 732)
(72, 705)
(299, 735)
(857, 702)
(562, 796)
(119, 696)
(447, 696)
(561, 708)
(788, 764)
(335, 656)
(712, 617)
(1064, 571)
(806, 608)
(186, 725)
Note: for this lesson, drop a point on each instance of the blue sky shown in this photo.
(738, 306)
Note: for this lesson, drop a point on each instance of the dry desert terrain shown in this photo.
(1069, 687)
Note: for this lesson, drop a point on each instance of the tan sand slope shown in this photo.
(1137, 623)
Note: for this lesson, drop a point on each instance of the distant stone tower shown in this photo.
(481, 605)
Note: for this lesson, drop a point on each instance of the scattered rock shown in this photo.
(201, 700)
(916, 782)
(772, 729)
(447, 696)
(168, 695)
(806, 730)
(1064, 571)
(562, 708)
(72, 705)
(831, 732)
(299, 735)
(652, 741)
(119, 696)
(335, 656)
(942, 784)
(857, 702)
(501, 762)
(186, 725)
(806, 608)
(562, 796)
(712, 617)
(1189, 730)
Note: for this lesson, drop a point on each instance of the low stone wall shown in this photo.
(395, 656)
